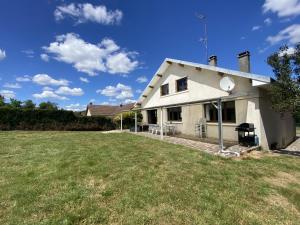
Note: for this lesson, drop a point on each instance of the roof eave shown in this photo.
(166, 63)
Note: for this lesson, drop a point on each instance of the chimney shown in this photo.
(212, 60)
(244, 61)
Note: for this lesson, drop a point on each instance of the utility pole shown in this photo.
(204, 39)
(220, 125)
(121, 117)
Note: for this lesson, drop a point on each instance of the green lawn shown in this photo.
(94, 178)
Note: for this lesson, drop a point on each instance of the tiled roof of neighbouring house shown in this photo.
(108, 110)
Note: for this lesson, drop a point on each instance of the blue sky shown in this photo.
(106, 51)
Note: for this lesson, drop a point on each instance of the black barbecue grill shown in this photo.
(246, 134)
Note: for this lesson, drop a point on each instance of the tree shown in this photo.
(28, 104)
(285, 90)
(2, 101)
(14, 103)
(48, 105)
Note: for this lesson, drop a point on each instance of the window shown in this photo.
(152, 116)
(228, 112)
(174, 114)
(181, 84)
(164, 89)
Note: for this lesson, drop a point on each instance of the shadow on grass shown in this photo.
(287, 152)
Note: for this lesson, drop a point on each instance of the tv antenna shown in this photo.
(204, 39)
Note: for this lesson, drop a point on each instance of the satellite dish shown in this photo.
(227, 84)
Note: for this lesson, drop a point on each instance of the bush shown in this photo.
(38, 119)
(128, 119)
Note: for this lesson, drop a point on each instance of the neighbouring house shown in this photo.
(182, 93)
(107, 110)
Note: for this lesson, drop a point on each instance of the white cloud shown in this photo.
(44, 79)
(8, 94)
(69, 91)
(289, 51)
(92, 100)
(268, 21)
(243, 38)
(45, 57)
(128, 101)
(83, 79)
(119, 92)
(109, 45)
(25, 78)
(75, 107)
(2, 54)
(254, 28)
(87, 58)
(263, 49)
(139, 91)
(121, 63)
(47, 89)
(82, 13)
(90, 58)
(69, 10)
(142, 79)
(13, 86)
(111, 103)
(283, 8)
(28, 52)
(49, 95)
(290, 34)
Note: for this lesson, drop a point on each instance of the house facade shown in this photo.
(183, 93)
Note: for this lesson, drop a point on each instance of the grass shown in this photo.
(94, 178)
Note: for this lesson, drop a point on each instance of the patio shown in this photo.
(208, 146)
(167, 132)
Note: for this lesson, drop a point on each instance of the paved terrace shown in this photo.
(293, 149)
(201, 146)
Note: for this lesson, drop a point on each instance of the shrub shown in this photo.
(128, 119)
(38, 119)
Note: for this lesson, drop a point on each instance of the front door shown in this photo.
(152, 116)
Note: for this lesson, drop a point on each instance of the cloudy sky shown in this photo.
(106, 51)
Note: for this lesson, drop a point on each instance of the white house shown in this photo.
(182, 93)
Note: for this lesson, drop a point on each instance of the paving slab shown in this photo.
(202, 146)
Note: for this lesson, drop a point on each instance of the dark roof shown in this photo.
(108, 110)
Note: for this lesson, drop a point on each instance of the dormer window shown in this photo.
(164, 89)
(181, 84)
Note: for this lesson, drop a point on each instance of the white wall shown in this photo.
(275, 127)
(201, 85)
(254, 107)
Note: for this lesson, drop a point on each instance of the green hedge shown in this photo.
(38, 119)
